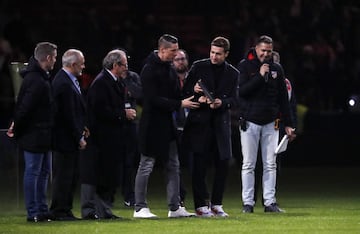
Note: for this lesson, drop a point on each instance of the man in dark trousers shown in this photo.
(207, 129)
(68, 135)
(107, 115)
(133, 96)
(157, 132)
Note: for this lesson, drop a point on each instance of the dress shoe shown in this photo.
(273, 208)
(111, 216)
(66, 218)
(91, 216)
(38, 218)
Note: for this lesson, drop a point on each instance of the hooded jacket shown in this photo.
(261, 100)
(34, 110)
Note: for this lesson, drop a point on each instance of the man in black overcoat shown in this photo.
(107, 115)
(207, 130)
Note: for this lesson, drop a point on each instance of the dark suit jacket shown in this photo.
(205, 122)
(106, 108)
(70, 114)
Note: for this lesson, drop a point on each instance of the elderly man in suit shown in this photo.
(107, 117)
(69, 133)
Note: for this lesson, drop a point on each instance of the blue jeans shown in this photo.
(268, 138)
(36, 176)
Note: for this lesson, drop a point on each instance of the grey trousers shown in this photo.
(172, 171)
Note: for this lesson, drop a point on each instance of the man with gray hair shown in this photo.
(107, 116)
(68, 135)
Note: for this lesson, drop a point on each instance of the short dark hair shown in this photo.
(264, 39)
(221, 42)
(166, 40)
(43, 49)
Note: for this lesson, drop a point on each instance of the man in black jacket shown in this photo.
(32, 128)
(68, 135)
(107, 115)
(207, 129)
(162, 96)
(262, 95)
(133, 96)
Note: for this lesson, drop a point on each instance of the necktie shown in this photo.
(78, 85)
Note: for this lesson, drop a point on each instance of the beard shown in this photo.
(182, 69)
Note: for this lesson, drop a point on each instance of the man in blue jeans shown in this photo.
(32, 128)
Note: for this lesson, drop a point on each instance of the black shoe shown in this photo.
(112, 216)
(91, 216)
(274, 208)
(66, 218)
(38, 218)
(248, 209)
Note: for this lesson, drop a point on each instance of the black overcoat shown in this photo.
(162, 96)
(106, 118)
(204, 122)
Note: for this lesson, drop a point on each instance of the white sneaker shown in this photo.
(204, 211)
(181, 212)
(144, 213)
(218, 211)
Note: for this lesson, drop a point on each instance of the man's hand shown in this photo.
(86, 132)
(216, 104)
(10, 131)
(291, 133)
(130, 114)
(187, 103)
(82, 143)
(197, 88)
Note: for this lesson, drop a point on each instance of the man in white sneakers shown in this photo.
(157, 132)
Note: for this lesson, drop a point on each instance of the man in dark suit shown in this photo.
(207, 129)
(68, 135)
(107, 116)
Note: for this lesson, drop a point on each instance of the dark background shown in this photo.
(318, 41)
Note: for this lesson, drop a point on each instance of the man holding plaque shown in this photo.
(214, 83)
